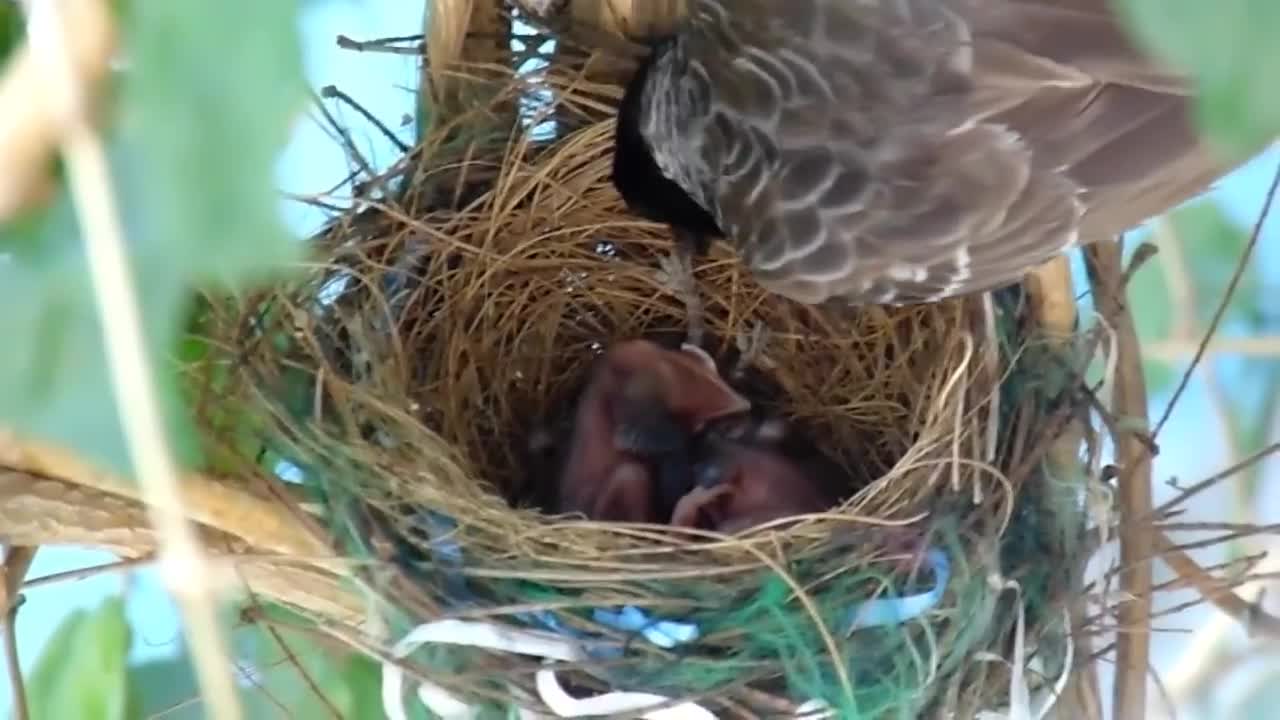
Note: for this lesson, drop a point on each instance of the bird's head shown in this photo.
(636, 175)
(739, 485)
(658, 397)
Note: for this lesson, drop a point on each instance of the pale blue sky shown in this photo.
(383, 84)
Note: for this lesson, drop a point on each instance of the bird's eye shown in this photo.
(708, 474)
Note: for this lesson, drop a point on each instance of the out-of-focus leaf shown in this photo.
(11, 28)
(164, 688)
(1212, 244)
(53, 375)
(207, 103)
(350, 683)
(81, 673)
(54, 379)
(208, 107)
(1230, 49)
(1149, 303)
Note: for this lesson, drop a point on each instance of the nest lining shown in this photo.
(445, 327)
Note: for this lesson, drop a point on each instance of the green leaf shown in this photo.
(1212, 244)
(54, 382)
(1149, 302)
(12, 28)
(81, 673)
(53, 379)
(349, 682)
(1230, 50)
(164, 688)
(208, 107)
(207, 104)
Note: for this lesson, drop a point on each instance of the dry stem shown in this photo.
(28, 131)
(44, 511)
(1129, 401)
(17, 561)
(221, 503)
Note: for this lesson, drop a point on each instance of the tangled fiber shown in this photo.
(451, 318)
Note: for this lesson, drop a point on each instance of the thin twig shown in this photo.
(17, 562)
(1106, 271)
(1225, 302)
(17, 689)
(332, 92)
(386, 46)
(130, 367)
(1251, 528)
(307, 679)
(1250, 615)
(344, 137)
(1214, 479)
(87, 572)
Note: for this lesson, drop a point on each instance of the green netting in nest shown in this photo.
(445, 327)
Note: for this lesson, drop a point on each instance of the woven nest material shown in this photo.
(447, 324)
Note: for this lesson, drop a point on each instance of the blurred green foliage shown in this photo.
(81, 673)
(1230, 48)
(201, 113)
(164, 688)
(11, 28)
(327, 681)
(1210, 245)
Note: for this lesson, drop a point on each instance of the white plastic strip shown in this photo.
(551, 646)
(1020, 701)
(612, 703)
(462, 632)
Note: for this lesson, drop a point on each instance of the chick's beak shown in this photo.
(697, 391)
(672, 395)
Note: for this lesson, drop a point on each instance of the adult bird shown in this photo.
(898, 151)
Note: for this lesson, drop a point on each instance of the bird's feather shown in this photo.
(907, 150)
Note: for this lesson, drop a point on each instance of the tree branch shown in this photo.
(1129, 401)
(43, 511)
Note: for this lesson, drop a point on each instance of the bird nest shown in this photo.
(451, 323)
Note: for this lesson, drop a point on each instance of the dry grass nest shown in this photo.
(454, 315)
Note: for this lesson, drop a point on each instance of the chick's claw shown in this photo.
(698, 509)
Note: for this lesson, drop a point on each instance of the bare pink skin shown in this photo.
(607, 483)
(759, 485)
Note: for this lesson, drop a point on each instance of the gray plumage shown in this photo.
(891, 151)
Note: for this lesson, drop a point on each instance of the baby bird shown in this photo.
(628, 455)
(742, 483)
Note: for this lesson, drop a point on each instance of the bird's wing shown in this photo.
(905, 150)
(1067, 78)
